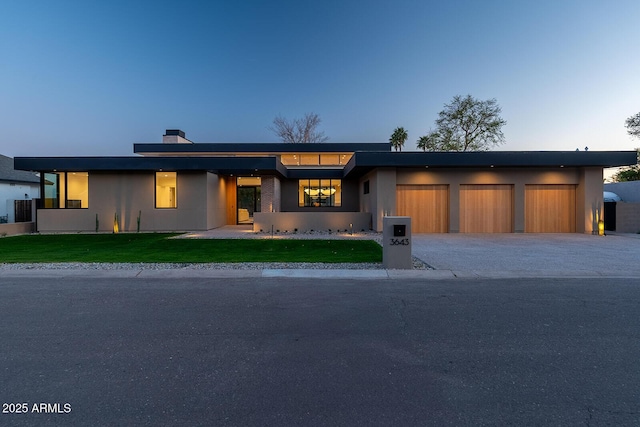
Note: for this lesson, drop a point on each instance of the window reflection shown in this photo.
(319, 193)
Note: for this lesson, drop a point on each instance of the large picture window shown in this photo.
(166, 184)
(66, 190)
(319, 193)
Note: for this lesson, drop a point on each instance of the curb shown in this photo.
(374, 274)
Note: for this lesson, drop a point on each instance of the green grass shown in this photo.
(157, 247)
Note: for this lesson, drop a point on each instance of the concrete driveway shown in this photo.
(610, 255)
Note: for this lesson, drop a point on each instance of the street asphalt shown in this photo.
(245, 351)
(502, 330)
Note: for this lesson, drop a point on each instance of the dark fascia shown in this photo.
(266, 148)
(314, 173)
(222, 165)
(361, 163)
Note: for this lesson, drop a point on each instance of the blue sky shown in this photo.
(93, 77)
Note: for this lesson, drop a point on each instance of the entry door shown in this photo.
(248, 203)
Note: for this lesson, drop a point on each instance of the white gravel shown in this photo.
(417, 265)
(194, 266)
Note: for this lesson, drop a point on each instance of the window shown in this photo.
(319, 193)
(66, 190)
(166, 190)
(365, 188)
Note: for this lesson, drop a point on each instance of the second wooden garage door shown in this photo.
(427, 205)
(486, 208)
(550, 209)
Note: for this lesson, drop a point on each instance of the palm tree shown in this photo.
(398, 137)
(428, 142)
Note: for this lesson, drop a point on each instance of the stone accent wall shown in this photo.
(627, 217)
(270, 194)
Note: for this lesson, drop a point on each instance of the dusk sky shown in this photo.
(93, 77)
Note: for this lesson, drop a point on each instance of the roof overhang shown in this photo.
(361, 163)
(221, 165)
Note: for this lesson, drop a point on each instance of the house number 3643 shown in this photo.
(396, 242)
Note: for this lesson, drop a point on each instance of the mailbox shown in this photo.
(396, 245)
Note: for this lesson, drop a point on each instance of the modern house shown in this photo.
(15, 185)
(179, 185)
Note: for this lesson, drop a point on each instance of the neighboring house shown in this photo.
(15, 185)
(623, 216)
(180, 185)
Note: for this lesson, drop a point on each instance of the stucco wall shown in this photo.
(628, 191)
(381, 200)
(590, 201)
(627, 217)
(16, 228)
(130, 194)
(306, 221)
(216, 201)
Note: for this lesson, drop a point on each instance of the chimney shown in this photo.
(175, 136)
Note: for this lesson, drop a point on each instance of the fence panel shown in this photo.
(22, 210)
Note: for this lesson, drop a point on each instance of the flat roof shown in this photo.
(360, 163)
(257, 148)
(222, 165)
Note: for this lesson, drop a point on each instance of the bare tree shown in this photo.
(466, 124)
(299, 131)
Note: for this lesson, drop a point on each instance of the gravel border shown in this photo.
(417, 265)
(185, 266)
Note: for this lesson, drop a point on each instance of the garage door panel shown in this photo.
(550, 208)
(486, 208)
(427, 205)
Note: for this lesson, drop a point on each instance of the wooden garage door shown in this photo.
(550, 209)
(427, 205)
(486, 208)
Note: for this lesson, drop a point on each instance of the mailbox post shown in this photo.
(396, 242)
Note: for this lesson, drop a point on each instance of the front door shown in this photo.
(248, 196)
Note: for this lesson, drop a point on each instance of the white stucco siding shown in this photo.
(15, 191)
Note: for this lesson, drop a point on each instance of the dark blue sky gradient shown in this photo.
(92, 77)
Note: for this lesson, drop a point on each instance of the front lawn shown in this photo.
(157, 247)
